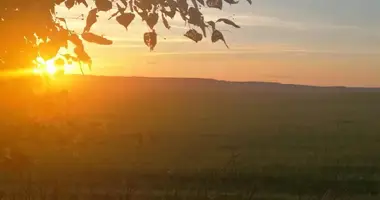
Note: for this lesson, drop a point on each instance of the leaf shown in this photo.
(171, 3)
(170, 13)
(91, 19)
(91, 37)
(69, 4)
(150, 39)
(82, 55)
(215, 4)
(231, 2)
(212, 24)
(48, 50)
(193, 35)
(196, 16)
(74, 38)
(143, 14)
(58, 2)
(166, 23)
(152, 20)
(183, 16)
(125, 19)
(125, 3)
(197, 19)
(103, 5)
(201, 2)
(84, 2)
(216, 36)
(119, 10)
(144, 4)
(182, 5)
(227, 21)
(195, 4)
(131, 5)
(59, 62)
(67, 56)
(250, 2)
(61, 19)
(113, 15)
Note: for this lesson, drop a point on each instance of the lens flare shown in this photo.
(51, 69)
(45, 67)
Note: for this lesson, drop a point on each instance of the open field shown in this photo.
(191, 136)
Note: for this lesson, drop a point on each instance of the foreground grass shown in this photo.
(192, 136)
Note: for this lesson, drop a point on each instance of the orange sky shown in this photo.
(277, 42)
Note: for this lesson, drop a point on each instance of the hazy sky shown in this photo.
(319, 42)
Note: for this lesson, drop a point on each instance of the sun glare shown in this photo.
(46, 67)
(51, 69)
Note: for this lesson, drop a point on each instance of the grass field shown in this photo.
(190, 138)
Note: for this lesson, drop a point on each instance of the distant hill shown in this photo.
(204, 84)
(118, 83)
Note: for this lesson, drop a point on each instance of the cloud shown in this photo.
(268, 21)
(239, 49)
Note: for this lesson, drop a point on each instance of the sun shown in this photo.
(50, 67)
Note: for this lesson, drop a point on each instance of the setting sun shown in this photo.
(50, 67)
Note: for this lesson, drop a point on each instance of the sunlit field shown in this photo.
(187, 138)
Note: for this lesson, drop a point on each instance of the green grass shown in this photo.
(110, 130)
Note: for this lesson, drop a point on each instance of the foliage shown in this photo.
(29, 29)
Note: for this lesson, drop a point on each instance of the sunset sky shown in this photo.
(317, 42)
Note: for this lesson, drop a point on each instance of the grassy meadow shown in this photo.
(151, 138)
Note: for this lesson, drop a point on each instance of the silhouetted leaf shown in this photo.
(193, 35)
(150, 39)
(216, 36)
(215, 4)
(152, 20)
(125, 19)
(182, 5)
(59, 62)
(183, 16)
(84, 2)
(83, 56)
(67, 56)
(119, 10)
(91, 19)
(227, 21)
(196, 18)
(212, 24)
(61, 19)
(171, 3)
(103, 5)
(91, 37)
(58, 2)
(166, 23)
(131, 5)
(250, 1)
(143, 14)
(170, 13)
(69, 3)
(143, 4)
(113, 15)
(231, 2)
(195, 4)
(74, 38)
(48, 50)
(201, 2)
(125, 3)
